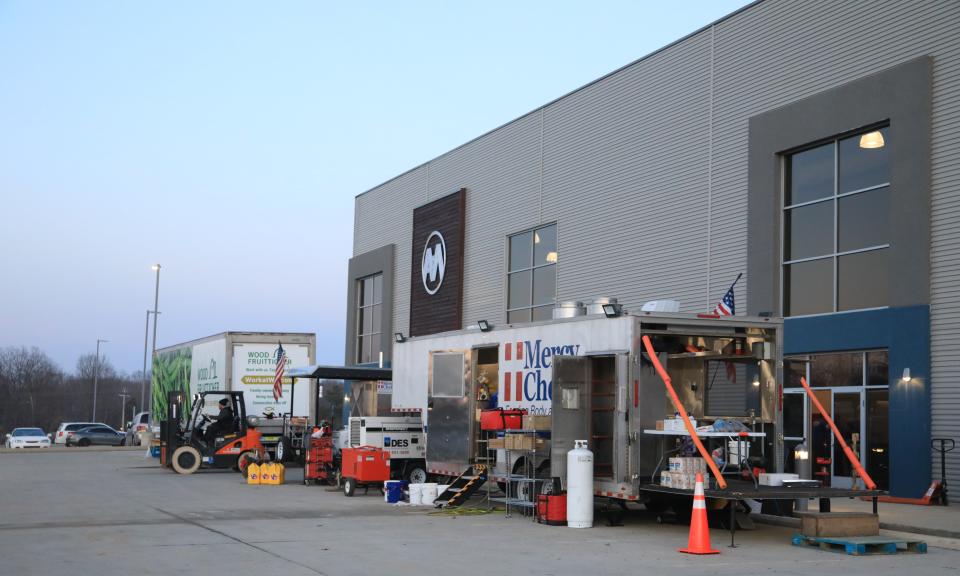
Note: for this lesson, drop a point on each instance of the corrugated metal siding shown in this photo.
(625, 177)
(387, 218)
(501, 175)
(628, 172)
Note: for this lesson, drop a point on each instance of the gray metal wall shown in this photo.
(645, 170)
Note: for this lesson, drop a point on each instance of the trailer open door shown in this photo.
(570, 409)
(452, 420)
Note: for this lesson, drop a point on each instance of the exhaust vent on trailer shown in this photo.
(569, 309)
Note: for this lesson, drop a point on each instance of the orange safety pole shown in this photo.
(683, 413)
(871, 485)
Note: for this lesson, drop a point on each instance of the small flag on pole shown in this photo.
(726, 306)
(278, 375)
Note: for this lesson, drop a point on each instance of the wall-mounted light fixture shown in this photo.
(484, 326)
(906, 375)
(398, 337)
(756, 381)
(612, 310)
(872, 140)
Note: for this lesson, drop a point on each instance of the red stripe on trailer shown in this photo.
(506, 352)
(506, 383)
(636, 393)
(519, 384)
(519, 350)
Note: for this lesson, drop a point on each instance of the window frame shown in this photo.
(360, 311)
(835, 255)
(531, 306)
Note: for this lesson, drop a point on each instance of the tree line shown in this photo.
(34, 391)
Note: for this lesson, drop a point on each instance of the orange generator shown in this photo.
(364, 466)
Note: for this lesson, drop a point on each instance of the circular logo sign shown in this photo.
(433, 263)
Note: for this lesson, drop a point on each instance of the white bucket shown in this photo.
(441, 488)
(416, 494)
(429, 493)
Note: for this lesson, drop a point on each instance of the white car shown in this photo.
(27, 438)
(67, 429)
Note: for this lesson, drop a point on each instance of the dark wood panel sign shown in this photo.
(436, 282)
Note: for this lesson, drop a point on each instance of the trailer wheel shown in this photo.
(415, 474)
(245, 460)
(349, 486)
(282, 450)
(186, 460)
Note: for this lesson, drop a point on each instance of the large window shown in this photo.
(532, 275)
(369, 306)
(836, 226)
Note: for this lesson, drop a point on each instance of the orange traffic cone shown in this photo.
(699, 541)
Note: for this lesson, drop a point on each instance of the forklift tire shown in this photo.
(349, 486)
(244, 460)
(186, 460)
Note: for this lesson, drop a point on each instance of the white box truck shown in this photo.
(235, 361)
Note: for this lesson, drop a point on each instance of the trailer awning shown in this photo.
(341, 373)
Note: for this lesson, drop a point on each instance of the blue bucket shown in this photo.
(394, 491)
(155, 451)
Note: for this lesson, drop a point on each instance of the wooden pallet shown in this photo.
(862, 546)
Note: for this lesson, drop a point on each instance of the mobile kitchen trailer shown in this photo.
(591, 375)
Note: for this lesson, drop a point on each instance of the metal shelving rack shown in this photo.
(515, 482)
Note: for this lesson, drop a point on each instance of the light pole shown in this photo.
(96, 374)
(146, 341)
(156, 301)
(123, 403)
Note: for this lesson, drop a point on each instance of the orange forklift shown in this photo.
(187, 446)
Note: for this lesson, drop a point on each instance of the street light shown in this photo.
(96, 374)
(156, 300)
(143, 376)
(123, 405)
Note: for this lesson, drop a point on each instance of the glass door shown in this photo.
(847, 416)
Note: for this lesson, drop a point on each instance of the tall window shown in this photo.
(532, 275)
(836, 226)
(369, 305)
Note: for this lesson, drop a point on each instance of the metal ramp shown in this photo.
(463, 487)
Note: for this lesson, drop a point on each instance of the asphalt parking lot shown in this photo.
(116, 512)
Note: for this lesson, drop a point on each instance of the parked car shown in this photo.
(27, 438)
(138, 429)
(66, 429)
(100, 434)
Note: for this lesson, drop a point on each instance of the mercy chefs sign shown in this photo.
(436, 267)
(527, 373)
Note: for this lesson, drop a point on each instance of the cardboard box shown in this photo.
(836, 524)
(523, 442)
(534, 422)
(659, 425)
(496, 443)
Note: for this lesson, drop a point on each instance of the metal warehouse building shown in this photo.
(812, 146)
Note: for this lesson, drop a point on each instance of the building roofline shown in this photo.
(570, 93)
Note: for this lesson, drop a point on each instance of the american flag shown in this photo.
(726, 307)
(278, 375)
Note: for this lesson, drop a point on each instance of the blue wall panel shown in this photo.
(905, 333)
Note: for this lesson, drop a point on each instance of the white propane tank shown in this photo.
(580, 486)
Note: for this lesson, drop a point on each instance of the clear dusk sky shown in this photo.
(227, 140)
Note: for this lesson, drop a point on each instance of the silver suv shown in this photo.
(138, 429)
(67, 429)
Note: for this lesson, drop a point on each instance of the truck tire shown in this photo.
(349, 486)
(415, 473)
(282, 451)
(186, 460)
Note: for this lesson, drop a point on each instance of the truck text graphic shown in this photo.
(528, 372)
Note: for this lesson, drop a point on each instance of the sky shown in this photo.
(227, 141)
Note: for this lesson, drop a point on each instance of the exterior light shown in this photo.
(346, 398)
(756, 381)
(801, 452)
(872, 140)
(484, 325)
(611, 310)
(906, 375)
(552, 257)
(398, 337)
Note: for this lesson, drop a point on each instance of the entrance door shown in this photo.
(570, 409)
(846, 415)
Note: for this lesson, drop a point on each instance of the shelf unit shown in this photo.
(526, 479)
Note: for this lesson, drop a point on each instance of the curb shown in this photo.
(795, 523)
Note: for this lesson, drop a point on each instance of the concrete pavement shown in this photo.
(116, 512)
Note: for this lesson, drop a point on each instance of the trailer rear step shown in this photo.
(463, 487)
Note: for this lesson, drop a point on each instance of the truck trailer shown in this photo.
(592, 377)
(239, 361)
